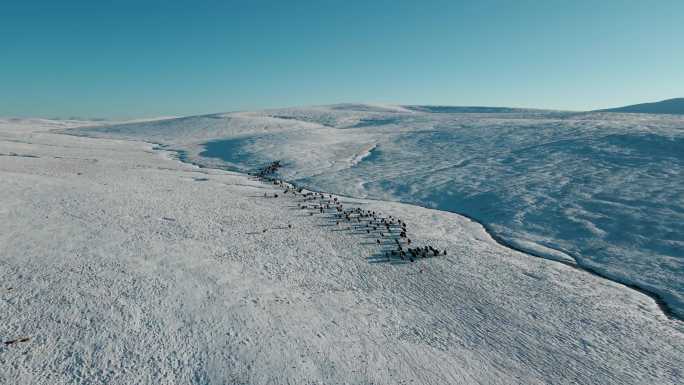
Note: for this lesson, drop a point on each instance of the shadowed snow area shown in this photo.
(122, 265)
(669, 106)
(603, 190)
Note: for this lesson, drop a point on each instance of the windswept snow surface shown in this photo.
(121, 265)
(603, 190)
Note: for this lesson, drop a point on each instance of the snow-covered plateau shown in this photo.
(121, 264)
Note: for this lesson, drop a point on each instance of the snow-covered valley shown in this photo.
(601, 190)
(122, 265)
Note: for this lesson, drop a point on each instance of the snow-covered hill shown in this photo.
(603, 190)
(669, 106)
(121, 265)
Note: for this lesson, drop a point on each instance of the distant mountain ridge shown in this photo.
(465, 109)
(668, 106)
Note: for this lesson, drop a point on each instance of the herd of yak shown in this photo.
(390, 232)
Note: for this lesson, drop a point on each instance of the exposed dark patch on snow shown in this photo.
(20, 155)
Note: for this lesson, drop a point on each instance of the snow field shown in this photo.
(123, 265)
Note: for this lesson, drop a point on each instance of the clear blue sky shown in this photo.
(138, 59)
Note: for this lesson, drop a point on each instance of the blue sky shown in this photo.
(150, 58)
